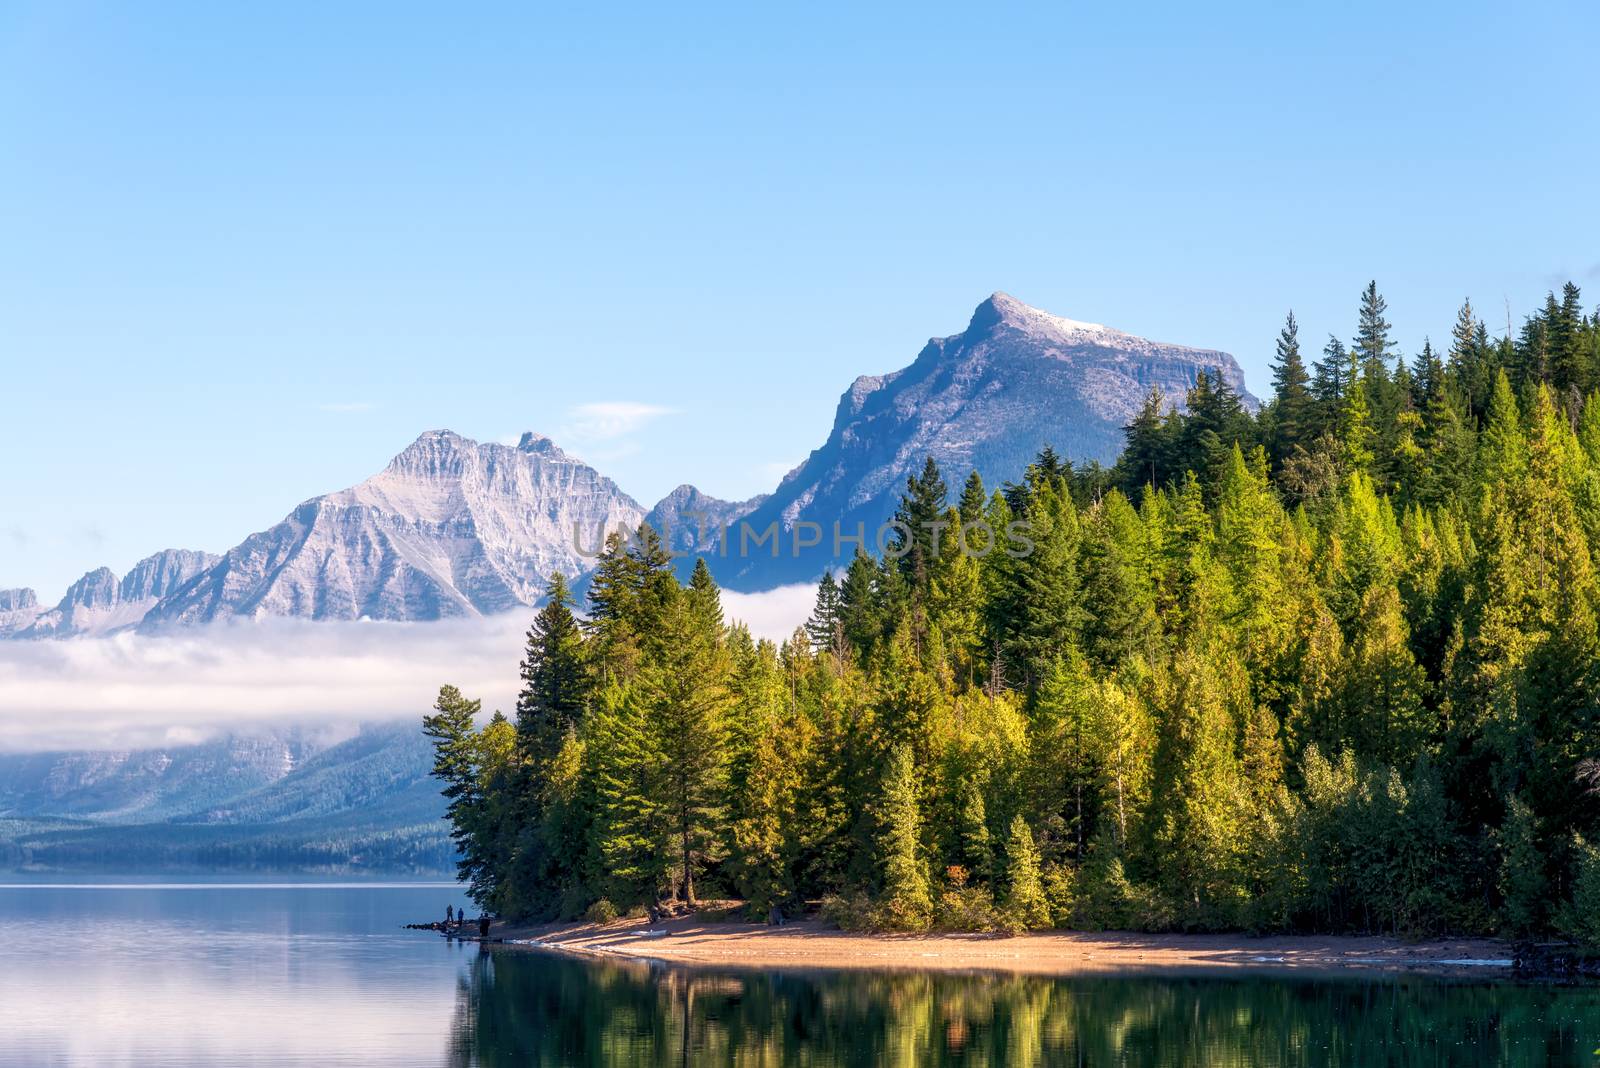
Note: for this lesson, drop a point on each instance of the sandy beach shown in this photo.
(810, 944)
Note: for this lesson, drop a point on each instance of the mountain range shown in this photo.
(986, 400)
(454, 527)
(458, 528)
(324, 799)
(100, 603)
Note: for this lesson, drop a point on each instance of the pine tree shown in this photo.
(1373, 348)
(627, 770)
(1047, 614)
(955, 602)
(1429, 384)
(975, 845)
(1367, 537)
(554, 679)
(1215, 423)
(769, 753)
(1025, 904)
(1386, 687)
(687, 697)
(1580, 917)
(1065, 783)
(1405, 467)
(1532, 354)
(1557, 694)
(543, 864)
(1471, 361)
(1449, 444)
(612, 590)
(1426, 451)
(904, 901)
(631, 583)
(1464, 338)
(900, 606)
(1118, 604)
(1327, 385)
(1147, 448)
(1197, 804)
(974, 499)
(705, 600)
(1048, 468)
(1191, 585)
(1570, 371)
(1250, 545)
(1355, 418)
(1291, 408)
(1523, 885)
(1503, 450)
(455, 763)
(825, 627)
(860, 608)
(922, 542)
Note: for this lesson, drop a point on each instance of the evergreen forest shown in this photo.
(1331, 665)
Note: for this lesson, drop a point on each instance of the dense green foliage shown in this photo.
(1329, 666)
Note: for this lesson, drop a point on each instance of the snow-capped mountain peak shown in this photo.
(986, 399)
(1003, 308)
(451, 527)
(456, 527)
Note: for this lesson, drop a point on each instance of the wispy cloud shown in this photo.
(609, 420)
(603, 431)
(91, 534)
(346, 407)
(134, 690)
(138, 691)
(772, 613)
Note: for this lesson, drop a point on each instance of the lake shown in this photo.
(227, 974)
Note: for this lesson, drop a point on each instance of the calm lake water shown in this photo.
(322, 975)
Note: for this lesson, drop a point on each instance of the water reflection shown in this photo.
(225, 975)
(324, 976)
(526, 1007)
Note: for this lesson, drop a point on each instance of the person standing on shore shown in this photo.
(449, 915)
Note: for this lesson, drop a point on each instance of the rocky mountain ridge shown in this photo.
(100, 603)
(986, 399)
(454, 527)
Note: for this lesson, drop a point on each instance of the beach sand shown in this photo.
(810, 944)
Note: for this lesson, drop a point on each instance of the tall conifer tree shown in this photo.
(1291, 408)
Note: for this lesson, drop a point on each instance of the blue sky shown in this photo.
(249, 252)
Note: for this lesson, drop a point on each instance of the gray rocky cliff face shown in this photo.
(99, 603)
(18, 600)
(691, 523)
(452, 527)
(18, 609)
(987, 399)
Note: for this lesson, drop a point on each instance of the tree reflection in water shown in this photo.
(527, 1007)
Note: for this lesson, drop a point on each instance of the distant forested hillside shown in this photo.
(1333, 667)
(362, 805)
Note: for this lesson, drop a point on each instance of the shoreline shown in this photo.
(808, 944)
